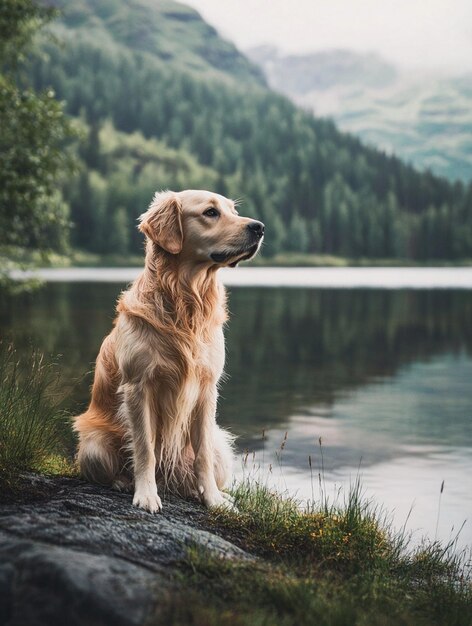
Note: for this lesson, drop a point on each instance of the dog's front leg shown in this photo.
(143, 438)
(202, 437)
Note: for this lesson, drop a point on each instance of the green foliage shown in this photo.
(32, 211)
(33, 130)
(31, 421)
(120, 231)
(19, 21)
(298, 236)
(108, 194)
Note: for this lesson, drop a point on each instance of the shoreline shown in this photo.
(301, 277)
(268, 562)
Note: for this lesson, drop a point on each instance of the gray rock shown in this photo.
(82, 554)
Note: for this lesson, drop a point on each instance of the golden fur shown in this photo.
(152, 411)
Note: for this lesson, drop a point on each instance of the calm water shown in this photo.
(383, 376)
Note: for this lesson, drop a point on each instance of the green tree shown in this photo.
(33, 131)
(118, 242)
(298, 236)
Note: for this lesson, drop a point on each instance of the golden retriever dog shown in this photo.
(152, 413)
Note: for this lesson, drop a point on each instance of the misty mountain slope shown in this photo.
(165, 31)
(301, 74)
(424, 118)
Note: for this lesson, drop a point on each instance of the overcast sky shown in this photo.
(412, 33)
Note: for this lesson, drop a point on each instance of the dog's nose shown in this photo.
(256, 227)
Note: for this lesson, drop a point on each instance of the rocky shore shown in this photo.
(72, 553)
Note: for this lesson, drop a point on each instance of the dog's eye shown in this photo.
(211, 213)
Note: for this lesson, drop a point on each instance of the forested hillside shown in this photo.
(166, 103)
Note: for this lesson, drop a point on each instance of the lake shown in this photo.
(375, 362)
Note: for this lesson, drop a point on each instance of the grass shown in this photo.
(343, 536)
(31, 421)
(331, 564)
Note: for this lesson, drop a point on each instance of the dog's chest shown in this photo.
(210, 357)
(206, 369)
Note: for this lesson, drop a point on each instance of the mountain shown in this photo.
(162, 101)
(425, 118)
(299, 75)
(169, 33)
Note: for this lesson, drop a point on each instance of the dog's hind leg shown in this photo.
(124, 483)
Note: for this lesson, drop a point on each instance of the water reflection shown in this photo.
(292, 350)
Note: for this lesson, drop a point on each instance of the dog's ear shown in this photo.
(162, 222)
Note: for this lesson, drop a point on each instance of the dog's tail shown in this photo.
(99, 451)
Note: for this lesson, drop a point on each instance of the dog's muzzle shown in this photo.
(255, 233)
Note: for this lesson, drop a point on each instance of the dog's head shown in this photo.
(201, 226)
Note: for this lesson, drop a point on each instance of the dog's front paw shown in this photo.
(148, 501)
